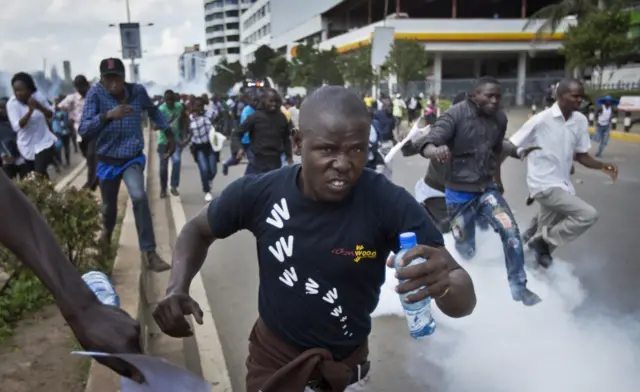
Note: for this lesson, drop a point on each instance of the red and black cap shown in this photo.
(112, 66)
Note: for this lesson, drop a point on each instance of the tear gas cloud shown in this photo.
(506, 347)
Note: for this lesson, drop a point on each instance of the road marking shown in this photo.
(212, 361)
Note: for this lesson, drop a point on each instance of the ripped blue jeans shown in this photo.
(490, 207)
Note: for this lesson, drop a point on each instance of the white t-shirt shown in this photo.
(559, 140)
(605, 116)
(35, 137)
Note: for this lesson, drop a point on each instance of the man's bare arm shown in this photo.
(190, 252)
(24, 232)
(461, 298)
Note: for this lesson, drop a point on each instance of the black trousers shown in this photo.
(42, 161)
(437, 209)
(88, 149)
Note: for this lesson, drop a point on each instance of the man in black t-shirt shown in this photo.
(324, 230)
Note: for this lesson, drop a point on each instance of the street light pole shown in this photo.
(132, 65)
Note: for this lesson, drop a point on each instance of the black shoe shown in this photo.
(542, 252)
(225, 169)
(174, 191)
(154, 262)
(163, 194)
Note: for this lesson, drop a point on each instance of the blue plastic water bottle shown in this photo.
(419, 317)
(102, 288)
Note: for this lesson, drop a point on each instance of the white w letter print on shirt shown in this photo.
(282, 248)
(279, 214)
(289, 277)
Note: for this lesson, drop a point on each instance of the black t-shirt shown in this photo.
(321, 264)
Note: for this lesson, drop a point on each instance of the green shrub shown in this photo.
(74, 217)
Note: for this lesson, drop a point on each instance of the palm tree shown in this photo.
(554, 14)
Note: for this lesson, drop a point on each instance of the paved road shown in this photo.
(503, 347)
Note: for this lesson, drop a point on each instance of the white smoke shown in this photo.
(506, 347)
(196, 87)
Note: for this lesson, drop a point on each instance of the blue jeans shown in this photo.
(133, 178)
(493, 209)
(176, 159)
(207, 162)
(602, 137)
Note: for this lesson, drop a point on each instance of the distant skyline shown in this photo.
(78, 31)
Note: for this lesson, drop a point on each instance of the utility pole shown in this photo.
(132, 67)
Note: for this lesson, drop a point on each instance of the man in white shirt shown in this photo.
(603, 125)
(562, 132)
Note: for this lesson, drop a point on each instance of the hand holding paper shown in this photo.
(159, 375)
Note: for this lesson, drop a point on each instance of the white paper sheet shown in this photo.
(160, 375)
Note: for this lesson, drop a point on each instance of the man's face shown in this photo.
(334, 155)
(170, 100)
(198, 106)
(572, 98)
(487, 97)
(270, 102)
(113, 83)
(81, 88)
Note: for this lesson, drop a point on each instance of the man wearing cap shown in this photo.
(112, 115)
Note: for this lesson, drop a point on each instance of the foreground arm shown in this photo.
(190, 252)
(97, 327)
(441, 277)
(221, 218)
(25, 233)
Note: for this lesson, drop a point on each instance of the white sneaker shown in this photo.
(208, 197)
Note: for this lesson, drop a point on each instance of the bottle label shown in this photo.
(418, 319)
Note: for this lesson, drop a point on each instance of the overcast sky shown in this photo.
(77, 30)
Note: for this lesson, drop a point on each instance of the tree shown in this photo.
(280, 72)
(225, 76)
(356, 68)
(304, 66)
(408, 60)
(259, 67)
(554, 14)
(585, 44)
(312, 67)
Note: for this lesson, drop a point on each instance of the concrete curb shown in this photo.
(71, 176)
(212, 361)
(624, 136)
(127, 276)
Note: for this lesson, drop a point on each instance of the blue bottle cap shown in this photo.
(408, 240)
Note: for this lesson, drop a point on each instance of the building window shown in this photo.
(233, 26)
(231, 2)
(231, 14)
(233, 50)
(233, 38)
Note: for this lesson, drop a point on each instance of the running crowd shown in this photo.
(314, 306)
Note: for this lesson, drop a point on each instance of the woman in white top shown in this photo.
(28, 112)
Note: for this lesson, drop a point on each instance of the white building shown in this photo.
(255, 29)
(192, 64)
(465, 38)
(222, 29)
